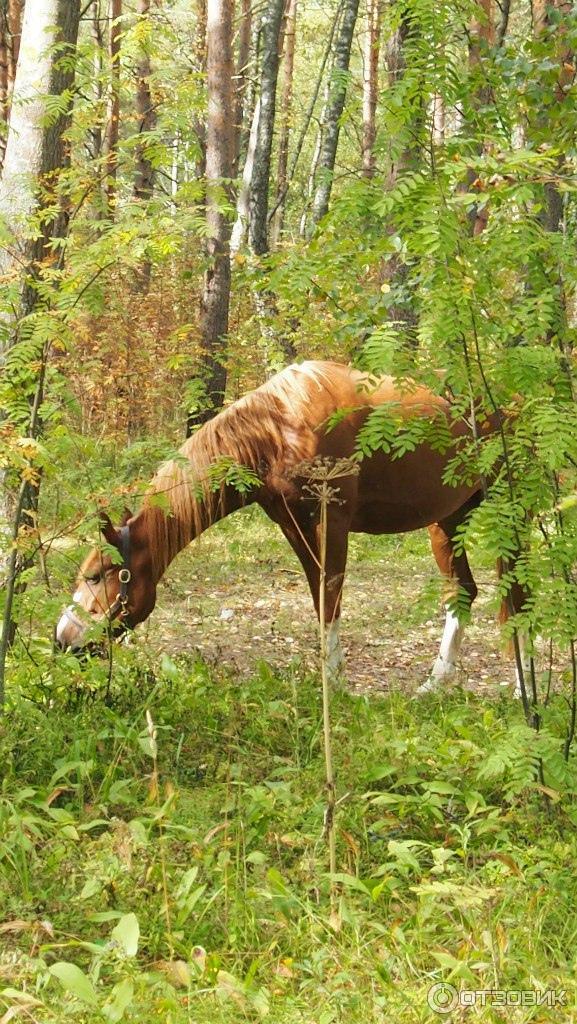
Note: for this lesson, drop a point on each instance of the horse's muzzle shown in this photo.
(70, 630)
(71, 633)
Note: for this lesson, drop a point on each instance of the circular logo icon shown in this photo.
(442, 998)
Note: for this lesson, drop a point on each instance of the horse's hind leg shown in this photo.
(456, 569)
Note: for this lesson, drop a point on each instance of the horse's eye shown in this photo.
(95, 578)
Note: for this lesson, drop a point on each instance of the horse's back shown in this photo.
(390, 494)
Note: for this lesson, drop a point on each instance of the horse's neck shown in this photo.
(164, 533)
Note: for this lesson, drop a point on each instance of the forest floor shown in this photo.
(239, 596)
(163, 857)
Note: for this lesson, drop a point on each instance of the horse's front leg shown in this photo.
(304, 540)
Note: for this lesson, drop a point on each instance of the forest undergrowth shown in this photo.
(161, 834)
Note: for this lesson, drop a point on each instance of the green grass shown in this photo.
(179, 863)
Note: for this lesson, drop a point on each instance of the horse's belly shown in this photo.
(380, 517)
(400, 495)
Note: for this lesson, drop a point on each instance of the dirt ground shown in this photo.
(238, 596)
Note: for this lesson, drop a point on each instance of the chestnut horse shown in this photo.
(270, 431)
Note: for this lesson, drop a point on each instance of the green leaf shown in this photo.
(438, 786)
(351, 882)
(127, 933)
(121, 998)
(74, 981)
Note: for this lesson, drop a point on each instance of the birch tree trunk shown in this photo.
(242, 203)
(286, 120)
(113, 124)
(35, 153)
(219, 159)
(371, 83)
(35, 150)
(335, 107)
(259, 186)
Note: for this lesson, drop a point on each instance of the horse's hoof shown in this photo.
(443, 672)
(431, 685)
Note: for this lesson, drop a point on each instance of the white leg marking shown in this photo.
(525, 665)
(335, 656)
(446, 663)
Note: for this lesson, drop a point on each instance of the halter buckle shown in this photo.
(124, 576)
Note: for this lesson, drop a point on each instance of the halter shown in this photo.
(119, 608)
(124, 577)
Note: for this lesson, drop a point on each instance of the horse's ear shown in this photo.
(107, 530)
(126, 515)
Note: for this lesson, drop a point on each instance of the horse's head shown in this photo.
(116, 592)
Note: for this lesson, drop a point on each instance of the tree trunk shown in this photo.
(281, 197)
(277, 347)
(259, 186)
(113, 125)
(241, 78)
(548, 21)
(219, 158)
(371, 84)
(199, 123)
(146, 120)
(242, 203)
(396, 271)
(145, 114)
(286, 120)
(409, 152)
(10, 29)
(310, 190)
(544, 21)
(15, 13)
(335, 109)
(35, 153)
(482, 36)
(4, 80)
(95, 133)
(438, 119)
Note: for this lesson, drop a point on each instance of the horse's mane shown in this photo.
(269, 429)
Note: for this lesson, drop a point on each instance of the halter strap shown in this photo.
(124, 577)
(124, 574)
